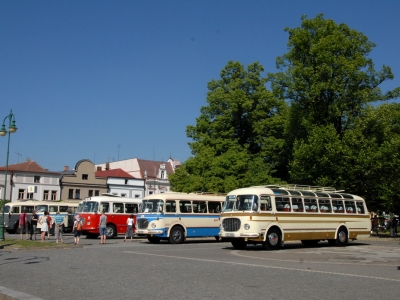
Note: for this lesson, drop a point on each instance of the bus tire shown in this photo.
(342, 237)
(273, 240)
(310, 243)
(110, 231)
(153, 239)
(239, 244)
(176, 236)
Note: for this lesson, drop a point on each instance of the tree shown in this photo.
(238, 137)
(328, 80)
(364, 162)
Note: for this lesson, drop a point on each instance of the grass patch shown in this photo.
(28, 244)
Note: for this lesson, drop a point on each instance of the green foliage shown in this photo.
(238, 136)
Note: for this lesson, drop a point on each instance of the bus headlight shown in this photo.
(153, 225)
(246, 226)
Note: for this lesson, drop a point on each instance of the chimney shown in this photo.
(107, 166)
(66, 168)
(98, 168)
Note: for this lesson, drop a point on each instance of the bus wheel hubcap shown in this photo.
(273, 239)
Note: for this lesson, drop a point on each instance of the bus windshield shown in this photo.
(6, 209)
(89, 206)
(42, 208)
(240, 203)
(152, 206)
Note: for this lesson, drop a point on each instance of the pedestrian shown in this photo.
(23, 224)
(77, 229)
(43, 221)
(34, 220)
(103, 227)
(58, 227)
(50, 225)
(129, 230)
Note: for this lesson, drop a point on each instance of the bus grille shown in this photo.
(231, 224)
(142, 223)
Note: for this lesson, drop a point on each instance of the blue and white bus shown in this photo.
(177, 216)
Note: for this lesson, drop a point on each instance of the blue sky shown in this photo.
(112, 80)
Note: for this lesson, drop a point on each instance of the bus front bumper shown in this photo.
(238, 235)
(146, 231)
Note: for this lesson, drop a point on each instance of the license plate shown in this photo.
(230, 234)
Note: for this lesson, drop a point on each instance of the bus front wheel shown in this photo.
(176, 236)
(274, 239)
(110, 231)
(342, 237)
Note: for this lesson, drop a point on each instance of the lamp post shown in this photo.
(11, 129)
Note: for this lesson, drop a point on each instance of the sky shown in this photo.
(113, 80)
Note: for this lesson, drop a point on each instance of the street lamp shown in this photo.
(11, 129)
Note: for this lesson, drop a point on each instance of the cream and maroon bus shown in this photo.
(272, 214)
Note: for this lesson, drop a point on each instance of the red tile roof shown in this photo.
(28, 166)
(113, 173)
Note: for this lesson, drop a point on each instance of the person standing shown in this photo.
(45, 226)
(58, 227)
(23, 224)
(50, 225)
(103, 227)
(129, 230)
(77, 230)
(34, 220)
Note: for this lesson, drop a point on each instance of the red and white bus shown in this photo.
(117, 209)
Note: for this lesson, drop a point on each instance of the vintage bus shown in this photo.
(117, 209)
(12, 211)
(177, 216)
(270, 215)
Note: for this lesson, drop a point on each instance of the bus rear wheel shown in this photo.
(342, 237)
(176, 236)
(153, 239)
(110, 231)
(274, 239)
(239, 244)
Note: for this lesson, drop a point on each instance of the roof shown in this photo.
(27, 166)
(151, 167)
(113, 173)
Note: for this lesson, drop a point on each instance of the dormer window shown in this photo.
(162, 175)
(162, 166)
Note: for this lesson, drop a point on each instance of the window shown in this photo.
(85, 176)
(265, 202)
(52, 209)
(131, 208)
(30, 196)
(15, 210)
(199, 207)
(337, 206)
(53, 195)
(46, 195)
(150, 192)
(282, 204)
(297, 204)
(118, 207)
(185, 206)
(126, 181)
(21, 194)
(96, 192)
(324, 205)
(170, 206)
(310, 205)
(123, 195)
(77, 194)
(28, 209)
(63, 209)
(137, 196)
(70, 194)
(90, 193)
(162, 175)
(350, 207)
(214, 207)
(360, 207)
(104, 206)
(36, 179)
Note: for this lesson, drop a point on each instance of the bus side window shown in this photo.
(104, 206)
(15, 210)
(279, 203)
(360, 207)
(118, 207)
